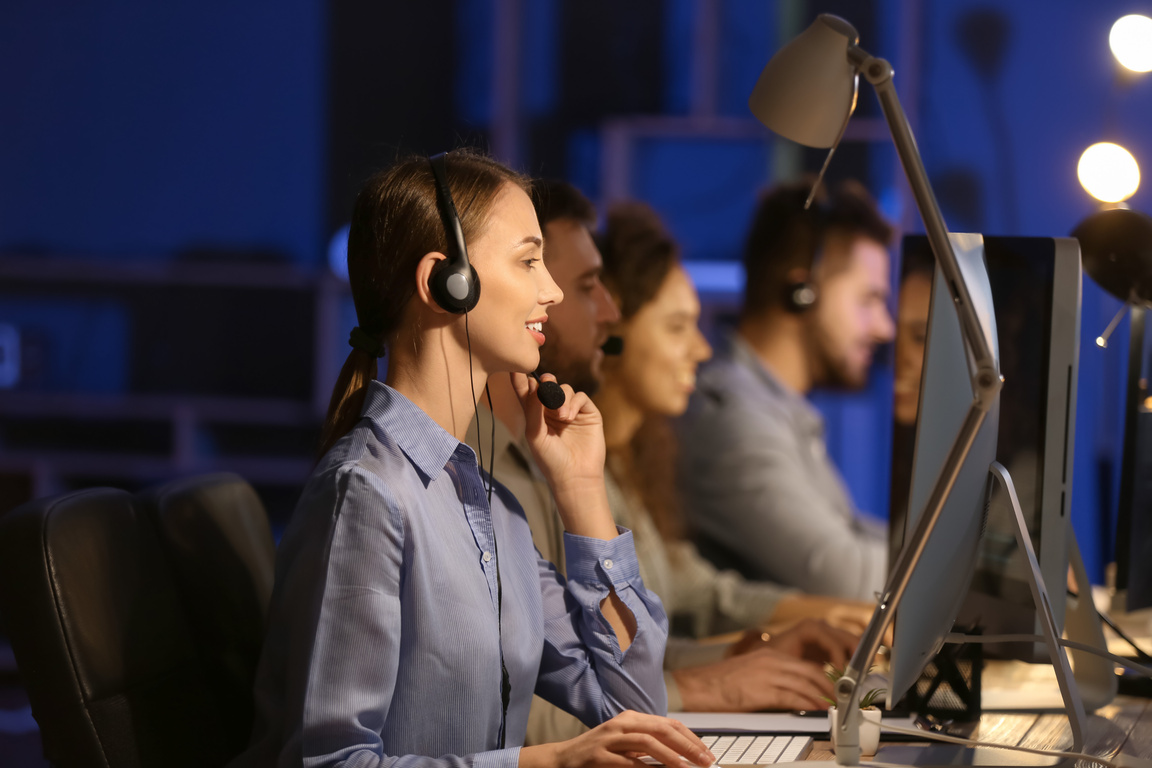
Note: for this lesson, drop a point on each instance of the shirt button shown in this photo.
(487, 557)
(608, 564)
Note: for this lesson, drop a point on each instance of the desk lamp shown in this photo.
(807, 93)
(1116, 244)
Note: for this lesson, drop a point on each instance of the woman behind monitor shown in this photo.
(411, 620)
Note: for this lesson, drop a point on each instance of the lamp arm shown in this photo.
(982, 364)
(848, 686)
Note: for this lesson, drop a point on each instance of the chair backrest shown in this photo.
(103, 645)
(216, 537)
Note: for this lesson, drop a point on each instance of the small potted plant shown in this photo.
(869, 715)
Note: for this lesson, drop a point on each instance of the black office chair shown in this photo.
(99, 632)
(216, 537)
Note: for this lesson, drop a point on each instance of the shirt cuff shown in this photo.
(498, 758)
(596, 561)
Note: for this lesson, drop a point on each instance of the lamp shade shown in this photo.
(808, 89)
(1116, 246)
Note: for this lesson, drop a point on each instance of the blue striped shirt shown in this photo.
(384, 647)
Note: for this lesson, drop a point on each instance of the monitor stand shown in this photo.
(1087, 683)
(1093, 683)
(1095, 676)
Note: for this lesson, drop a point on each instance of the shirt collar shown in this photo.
(743, 354)
(426, 444)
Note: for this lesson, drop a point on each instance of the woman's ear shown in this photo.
(424, 270)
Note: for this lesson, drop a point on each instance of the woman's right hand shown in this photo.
(568, 446)
(758, 680)
(620, 741)
(567, 443)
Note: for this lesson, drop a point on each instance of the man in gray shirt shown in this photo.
(761, 492)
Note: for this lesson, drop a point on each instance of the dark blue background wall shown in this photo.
(135, 129)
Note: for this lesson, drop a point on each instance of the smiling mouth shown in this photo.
(536, 329)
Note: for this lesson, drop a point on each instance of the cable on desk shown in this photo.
(1123, 636)
(1146, 671)
(958, 638)
(1116, 628)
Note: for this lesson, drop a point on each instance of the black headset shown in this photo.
(454, 284)
(800, 296)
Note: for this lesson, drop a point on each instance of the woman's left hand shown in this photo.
(568, 443)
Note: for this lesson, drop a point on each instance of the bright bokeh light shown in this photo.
(1108, 172)
(1131, 42)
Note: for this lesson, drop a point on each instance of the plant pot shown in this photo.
(869, 729)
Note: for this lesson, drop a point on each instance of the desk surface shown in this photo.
(1124, 726)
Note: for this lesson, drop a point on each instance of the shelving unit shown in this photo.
(151, 430)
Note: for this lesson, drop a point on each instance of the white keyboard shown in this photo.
(733, 749)
(757, 750)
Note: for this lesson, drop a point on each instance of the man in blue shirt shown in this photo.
(760, 491)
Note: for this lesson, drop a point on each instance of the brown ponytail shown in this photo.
(395, 222)
(347, 397)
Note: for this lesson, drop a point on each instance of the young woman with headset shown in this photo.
(412, 618)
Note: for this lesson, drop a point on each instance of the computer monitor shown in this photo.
(1035, 289)
(939, 582)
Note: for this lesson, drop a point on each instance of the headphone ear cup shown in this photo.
(454, 289)
(800, 297)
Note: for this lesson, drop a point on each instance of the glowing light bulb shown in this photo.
(1108, 172)
(1131, 42)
